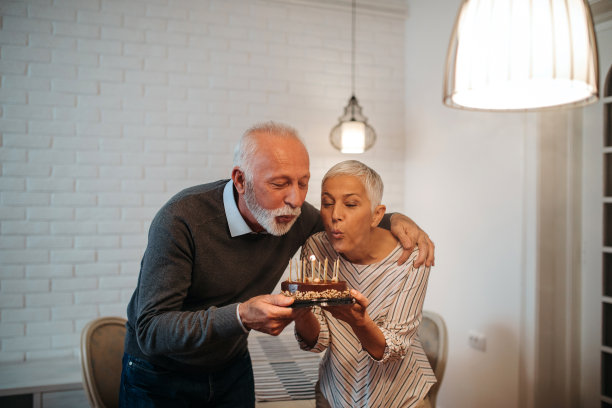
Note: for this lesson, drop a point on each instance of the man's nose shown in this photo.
(295, 198)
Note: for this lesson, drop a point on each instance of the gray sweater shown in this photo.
(182, 315)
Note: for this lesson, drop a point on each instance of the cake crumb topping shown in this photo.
(311, 295)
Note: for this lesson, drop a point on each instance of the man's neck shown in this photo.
(246, 214)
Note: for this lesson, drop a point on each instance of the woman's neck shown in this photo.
(374, 249)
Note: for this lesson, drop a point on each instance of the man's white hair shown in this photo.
(371, 179)
(247, 145)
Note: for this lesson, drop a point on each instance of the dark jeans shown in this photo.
(146, 385)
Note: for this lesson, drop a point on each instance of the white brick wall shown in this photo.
(109, 107)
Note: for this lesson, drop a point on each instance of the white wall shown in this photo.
(110, 107)
(592, 233)
(513, 202)
(465, 182)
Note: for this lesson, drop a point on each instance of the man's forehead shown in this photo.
(283, 170)
(273, 142)
(283, 158)
(287, 176)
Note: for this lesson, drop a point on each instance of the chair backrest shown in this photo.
(101, 353)
(432, 332)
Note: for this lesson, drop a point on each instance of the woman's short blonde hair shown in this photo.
(371, 179)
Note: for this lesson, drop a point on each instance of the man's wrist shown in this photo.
(240, 320)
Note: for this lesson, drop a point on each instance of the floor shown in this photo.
(284, 404)
(77, 399)
(40, 377)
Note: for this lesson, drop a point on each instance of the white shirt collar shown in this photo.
(237, 224)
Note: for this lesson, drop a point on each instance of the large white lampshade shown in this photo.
(522, 55)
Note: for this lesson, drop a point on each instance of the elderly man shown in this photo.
(214, 252)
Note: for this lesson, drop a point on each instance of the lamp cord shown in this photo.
(353, 47)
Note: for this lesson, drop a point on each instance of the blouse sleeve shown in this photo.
(323, 339)
(400, 325)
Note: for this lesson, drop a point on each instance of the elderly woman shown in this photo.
(374, 356)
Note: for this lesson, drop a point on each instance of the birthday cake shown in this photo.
(313, 286)
(315, 290)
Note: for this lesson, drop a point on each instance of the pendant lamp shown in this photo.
(522, 55)
(352, 134)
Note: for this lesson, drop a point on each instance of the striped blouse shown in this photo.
(348, 375)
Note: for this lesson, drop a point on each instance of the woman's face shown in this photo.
(347, 215)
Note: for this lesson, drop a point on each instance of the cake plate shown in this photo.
(322, 302)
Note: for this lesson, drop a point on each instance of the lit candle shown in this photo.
(325, 270)
(303, 270)
(290, 265)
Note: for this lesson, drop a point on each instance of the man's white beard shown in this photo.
(267, 218)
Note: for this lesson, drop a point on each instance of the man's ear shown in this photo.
(377, 215)
(239, 179)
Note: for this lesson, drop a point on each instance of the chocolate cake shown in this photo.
(315, 290)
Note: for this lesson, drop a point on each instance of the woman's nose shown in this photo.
(336, 213)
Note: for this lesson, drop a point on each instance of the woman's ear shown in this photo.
(238, 179)
(377, 215)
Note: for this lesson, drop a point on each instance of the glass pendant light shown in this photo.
(352, 134)
(522, 55)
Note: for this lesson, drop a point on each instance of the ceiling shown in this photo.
(601, 9)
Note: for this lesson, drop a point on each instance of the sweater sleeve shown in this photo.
(312, 219)
(163, 326)
(385, 223)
